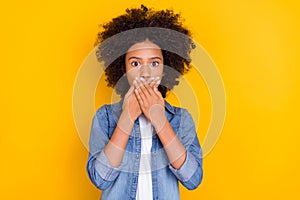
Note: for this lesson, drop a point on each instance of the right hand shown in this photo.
(131, 105)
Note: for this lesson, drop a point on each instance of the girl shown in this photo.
(142, 146)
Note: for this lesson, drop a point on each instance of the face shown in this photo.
(144, 60)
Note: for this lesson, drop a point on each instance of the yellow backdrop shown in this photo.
(255, 45)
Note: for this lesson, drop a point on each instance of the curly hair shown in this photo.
(167, 31)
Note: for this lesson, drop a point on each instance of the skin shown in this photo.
(144, 68)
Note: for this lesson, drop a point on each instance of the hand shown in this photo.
(151, 101)
(131, 105)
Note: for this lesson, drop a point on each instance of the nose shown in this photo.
(145, 72)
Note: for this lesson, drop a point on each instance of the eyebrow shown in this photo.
(138, 58)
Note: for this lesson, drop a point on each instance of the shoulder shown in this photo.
(109, 108)
(110, 112)
(102, 111)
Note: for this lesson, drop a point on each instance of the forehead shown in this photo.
(145, 45)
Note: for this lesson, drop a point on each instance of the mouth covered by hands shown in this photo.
(143, 97)
(150, 100)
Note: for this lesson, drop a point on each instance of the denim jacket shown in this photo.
(121, 183)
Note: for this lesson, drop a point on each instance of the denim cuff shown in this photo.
(187, 170)
(104, 169)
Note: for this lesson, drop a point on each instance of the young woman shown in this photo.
(142, 146)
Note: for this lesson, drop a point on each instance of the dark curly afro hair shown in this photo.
(166, 30)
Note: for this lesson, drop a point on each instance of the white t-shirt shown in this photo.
(144, 188)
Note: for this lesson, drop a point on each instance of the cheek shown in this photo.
(157, 72)
(131, 75)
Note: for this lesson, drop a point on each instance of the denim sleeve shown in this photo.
(100, 172)
(190, 173)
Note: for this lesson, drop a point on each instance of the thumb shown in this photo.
(156, 84)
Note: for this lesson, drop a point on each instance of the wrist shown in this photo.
(125, 122)
(159, 122)
(130, 114)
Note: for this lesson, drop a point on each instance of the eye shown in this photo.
(135, 63)
(155, 64)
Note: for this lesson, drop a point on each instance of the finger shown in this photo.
(157, 92)
(138, 82)
(152, 81)
(135, 84)
(127, 96)
(138, 90)
(148, 90)
(147, 85)
(153, 85)
(142, 87)
(151, 91)
(138, 97)
(157, 83)
(130, 91)
(138, 85)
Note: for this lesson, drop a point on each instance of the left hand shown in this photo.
(151, 101)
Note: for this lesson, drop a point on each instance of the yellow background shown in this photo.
(255, 45)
